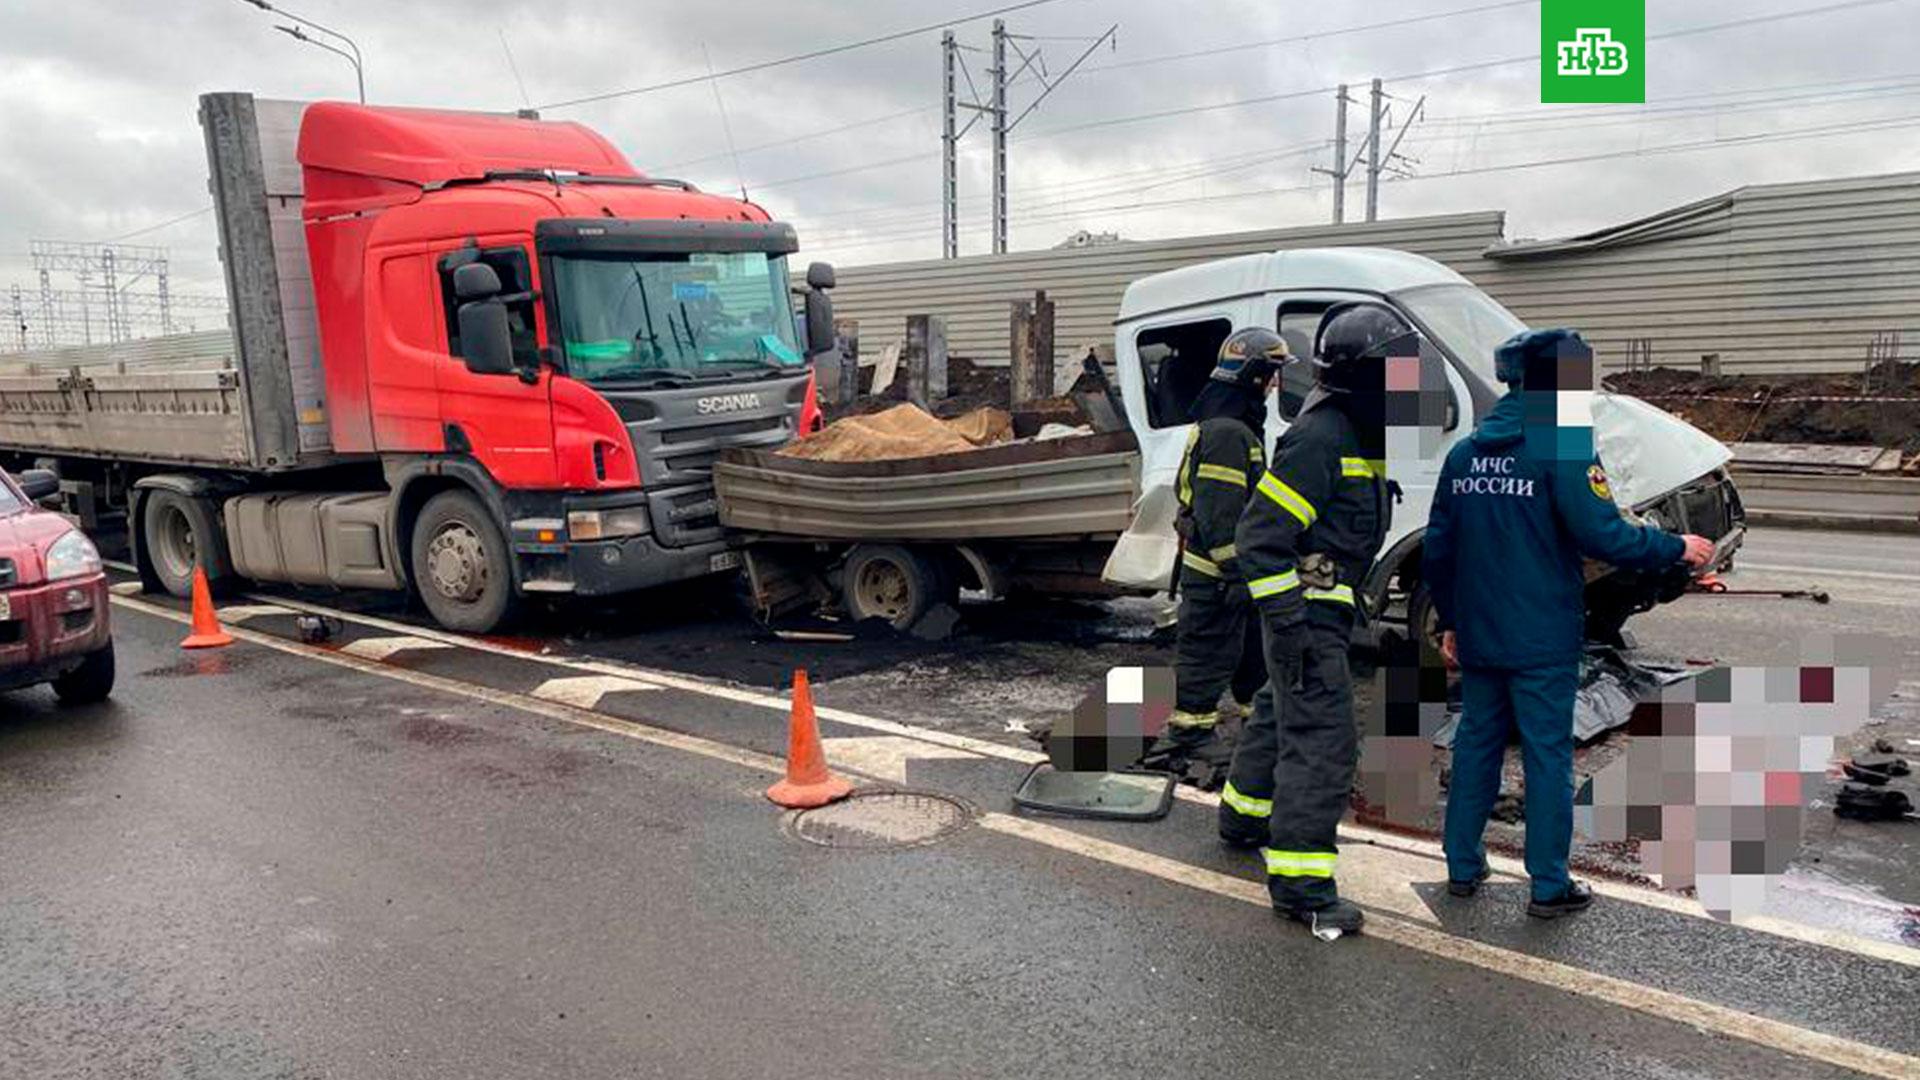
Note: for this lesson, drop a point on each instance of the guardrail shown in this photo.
(1827, 501)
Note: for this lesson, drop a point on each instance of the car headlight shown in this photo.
(72, 556)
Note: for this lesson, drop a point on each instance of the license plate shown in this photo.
(6, 608)
(726, 560)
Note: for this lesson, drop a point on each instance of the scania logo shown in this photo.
(726, 403)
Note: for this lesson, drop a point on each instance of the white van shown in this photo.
(1171, 326)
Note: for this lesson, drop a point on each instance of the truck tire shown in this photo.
(461, 564)
(887, 581)
(180, 532)
(89, 683)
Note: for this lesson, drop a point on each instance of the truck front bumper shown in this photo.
(50, 629)
(551, 560)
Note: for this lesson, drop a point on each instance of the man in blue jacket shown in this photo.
(1517, 506)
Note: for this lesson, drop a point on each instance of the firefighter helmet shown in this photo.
(1250, 357)
(1352, 341)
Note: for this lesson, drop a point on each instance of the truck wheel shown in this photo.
(180, 533)
(460, 564)
(91, 682)
(886, 581)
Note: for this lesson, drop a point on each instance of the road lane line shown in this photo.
(1817, 572)
(383, 648)
(585, 691)
(1666, 1005)
(1351, 833)
(1703, 1016)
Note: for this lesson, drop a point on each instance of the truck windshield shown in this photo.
(629, 317)
(9, 502)
(1468, 322)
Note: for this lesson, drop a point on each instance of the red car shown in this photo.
(53, 597)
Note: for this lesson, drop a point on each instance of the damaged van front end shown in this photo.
(1669, 474)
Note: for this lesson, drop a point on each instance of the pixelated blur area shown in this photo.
(1720, 769)
(1407, 708)
(1110, 727)
(1419, 405)
(1558, 395)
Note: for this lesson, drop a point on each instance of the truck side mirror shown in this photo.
(819, 321)
(475, 281)
(37, 484)
(486, 343)
(820, 275)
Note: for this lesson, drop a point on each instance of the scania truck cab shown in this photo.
(475, 355)
(1171, 325)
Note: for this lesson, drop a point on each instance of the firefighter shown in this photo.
(1517, 506)
(1219, 644)
(1305, 543)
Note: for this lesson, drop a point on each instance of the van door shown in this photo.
(1163, 364)
(1414, 456)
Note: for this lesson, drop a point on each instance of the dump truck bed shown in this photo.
(1075, 488)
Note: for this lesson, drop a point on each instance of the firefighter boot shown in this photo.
(1329, 922)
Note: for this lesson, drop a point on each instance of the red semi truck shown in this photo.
(475, 355)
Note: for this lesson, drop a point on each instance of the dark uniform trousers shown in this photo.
(1219, 646)
(1293, 766)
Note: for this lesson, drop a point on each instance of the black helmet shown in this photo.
(1249, 357)
(1352, 337)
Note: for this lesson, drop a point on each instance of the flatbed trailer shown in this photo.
(891, 539)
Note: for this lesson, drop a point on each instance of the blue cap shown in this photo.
(1510, 359)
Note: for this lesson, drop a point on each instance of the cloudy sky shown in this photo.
(101, 143)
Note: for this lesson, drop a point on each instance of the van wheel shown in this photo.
(887, 581)
(1423, 624)
(460, 564)
(181, 532)
(89, 683)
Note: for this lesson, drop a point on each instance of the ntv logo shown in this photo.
(1592, 52)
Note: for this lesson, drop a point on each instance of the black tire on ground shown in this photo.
(91, 682)
(887, 581)
(461, 564)
(1423, 637)
(177, 531)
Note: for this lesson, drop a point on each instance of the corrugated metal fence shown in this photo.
(1787, 277)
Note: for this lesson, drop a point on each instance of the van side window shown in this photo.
(1176, 361)
(515, 277)
(1297, 320)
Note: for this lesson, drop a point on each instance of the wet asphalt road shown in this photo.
(256, 865)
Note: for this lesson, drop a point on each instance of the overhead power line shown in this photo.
(1790, 135)
(815, 54)
(188, 216)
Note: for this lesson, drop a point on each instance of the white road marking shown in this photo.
(1703, 1016)
(381, 648)
(1814, 573)
(126, 588)
(237, 613)
(585, 691)
(1350, 834)
(885, 757)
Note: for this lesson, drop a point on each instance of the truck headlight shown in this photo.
(72, 556)
(607, 524)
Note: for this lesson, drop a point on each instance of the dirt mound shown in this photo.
(1878, 408)
(903, 431)
(970, 387)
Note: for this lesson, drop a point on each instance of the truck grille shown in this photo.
(6, 573)
(677, 433)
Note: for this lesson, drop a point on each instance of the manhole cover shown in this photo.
(883, 819)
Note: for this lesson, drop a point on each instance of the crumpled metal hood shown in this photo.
(1649, 452)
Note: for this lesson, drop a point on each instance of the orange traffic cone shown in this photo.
(808, 783)
(206, 625)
